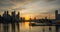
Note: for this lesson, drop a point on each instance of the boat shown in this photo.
(41, 24)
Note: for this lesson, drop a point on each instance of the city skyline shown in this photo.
(27, 17)
(31, 8)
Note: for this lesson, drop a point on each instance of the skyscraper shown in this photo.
(57, 16)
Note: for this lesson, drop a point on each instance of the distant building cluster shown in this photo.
(46, 20)
(7, 18)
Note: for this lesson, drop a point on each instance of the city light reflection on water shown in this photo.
(24, 27)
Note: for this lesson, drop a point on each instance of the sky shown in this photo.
(31, 8)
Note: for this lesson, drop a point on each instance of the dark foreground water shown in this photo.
(24, 27)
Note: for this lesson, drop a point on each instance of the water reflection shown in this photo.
(24, 27)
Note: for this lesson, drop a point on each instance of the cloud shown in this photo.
(48, 0)
(33, 7)
(29, 5)
(11, 4)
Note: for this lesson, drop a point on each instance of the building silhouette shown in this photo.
(6, 17)
(57, 16)
(13, 19)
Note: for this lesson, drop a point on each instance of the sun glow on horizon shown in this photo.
(27, 17)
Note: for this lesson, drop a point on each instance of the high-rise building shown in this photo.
(57, 16)
(18, 15)
(13, 14)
